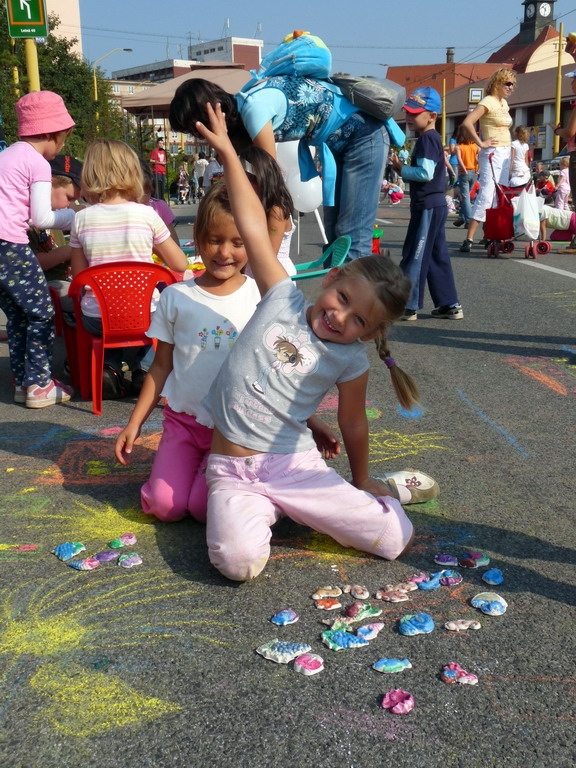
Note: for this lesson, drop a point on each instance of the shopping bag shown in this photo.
(499, 223)
(526, 218)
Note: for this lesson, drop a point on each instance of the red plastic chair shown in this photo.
(124, 292)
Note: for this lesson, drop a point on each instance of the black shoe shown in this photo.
(458, 222)
(449, 313)
(410, 314)
(466, 246)
(138, 376)
(113, 384)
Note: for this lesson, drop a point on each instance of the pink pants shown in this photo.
(177, 483)
(246, 496)
(561, 199)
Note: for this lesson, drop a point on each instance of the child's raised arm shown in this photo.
(246, 207)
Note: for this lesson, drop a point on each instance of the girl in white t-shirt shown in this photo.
(196, 325)
(117, 228)
(520, 158)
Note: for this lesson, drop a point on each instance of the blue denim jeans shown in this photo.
(465, 182)
(360, 170)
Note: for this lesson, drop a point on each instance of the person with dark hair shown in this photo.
(159, 163)
(353, 146)
(266, 177)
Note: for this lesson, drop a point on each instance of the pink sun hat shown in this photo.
(42, 112)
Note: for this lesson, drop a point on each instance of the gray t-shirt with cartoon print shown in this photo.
(277, 374)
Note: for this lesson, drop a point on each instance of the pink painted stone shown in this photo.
(418, 577)
(399, 702)
(309, 664)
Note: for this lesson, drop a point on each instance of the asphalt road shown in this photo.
(156, 665)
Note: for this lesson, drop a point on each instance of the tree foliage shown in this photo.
(65, 73)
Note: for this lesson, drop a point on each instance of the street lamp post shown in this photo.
(95, 80)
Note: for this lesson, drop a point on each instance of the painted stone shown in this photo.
(489, 603)
(107, 556)
(450, 579)
(282, 652)
(88, 564)
(418, 577)
(309, 664)
(370, 631)
(448, 561)
(68, 550)
(493, 577)
(287, 616)
(126, 540)
(356, 590)
(340, 639)
(402, 586)
(129, 560)
(416, 624)
(473, 560)
(328, 604)
(453, 673)
(399, 702)
(360, 610)
(326, 592)
(461, 625)
(391, 666)
(393, 595)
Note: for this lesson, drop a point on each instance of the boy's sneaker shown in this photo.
(410, 314)
(20, 394)
(466, 246)
(450, 313)
(42, 397)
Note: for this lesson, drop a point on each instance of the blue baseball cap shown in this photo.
(423, 100)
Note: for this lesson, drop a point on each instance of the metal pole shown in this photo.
(32, 64)
(556, 142)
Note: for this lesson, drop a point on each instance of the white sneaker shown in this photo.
(42, 397)
(421, 486)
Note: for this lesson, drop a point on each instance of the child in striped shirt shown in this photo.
(117, 228)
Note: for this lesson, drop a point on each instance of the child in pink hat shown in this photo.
(25, 198)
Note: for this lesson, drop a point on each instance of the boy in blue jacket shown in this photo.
(425, 254)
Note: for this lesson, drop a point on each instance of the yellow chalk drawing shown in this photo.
(388, 446)
(55, 618)
(84, 703)
(80, 522)
(563, 299)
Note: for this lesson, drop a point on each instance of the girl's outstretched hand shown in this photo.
(216, 134)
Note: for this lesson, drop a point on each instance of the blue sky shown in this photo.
(364, 36)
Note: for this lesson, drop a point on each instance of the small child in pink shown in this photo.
(25, 197)
(563, 185)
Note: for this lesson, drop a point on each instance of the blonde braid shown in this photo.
(404, 385)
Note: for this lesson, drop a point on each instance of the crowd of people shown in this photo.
(242, 361)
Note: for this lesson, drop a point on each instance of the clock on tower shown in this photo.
(537, 15)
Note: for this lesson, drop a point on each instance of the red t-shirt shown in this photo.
(158, 156)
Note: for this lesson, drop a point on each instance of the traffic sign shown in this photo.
(27, 18)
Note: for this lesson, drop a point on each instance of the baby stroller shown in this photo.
(183, 191)
(499, 225)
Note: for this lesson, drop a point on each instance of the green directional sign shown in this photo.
(27, 18)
